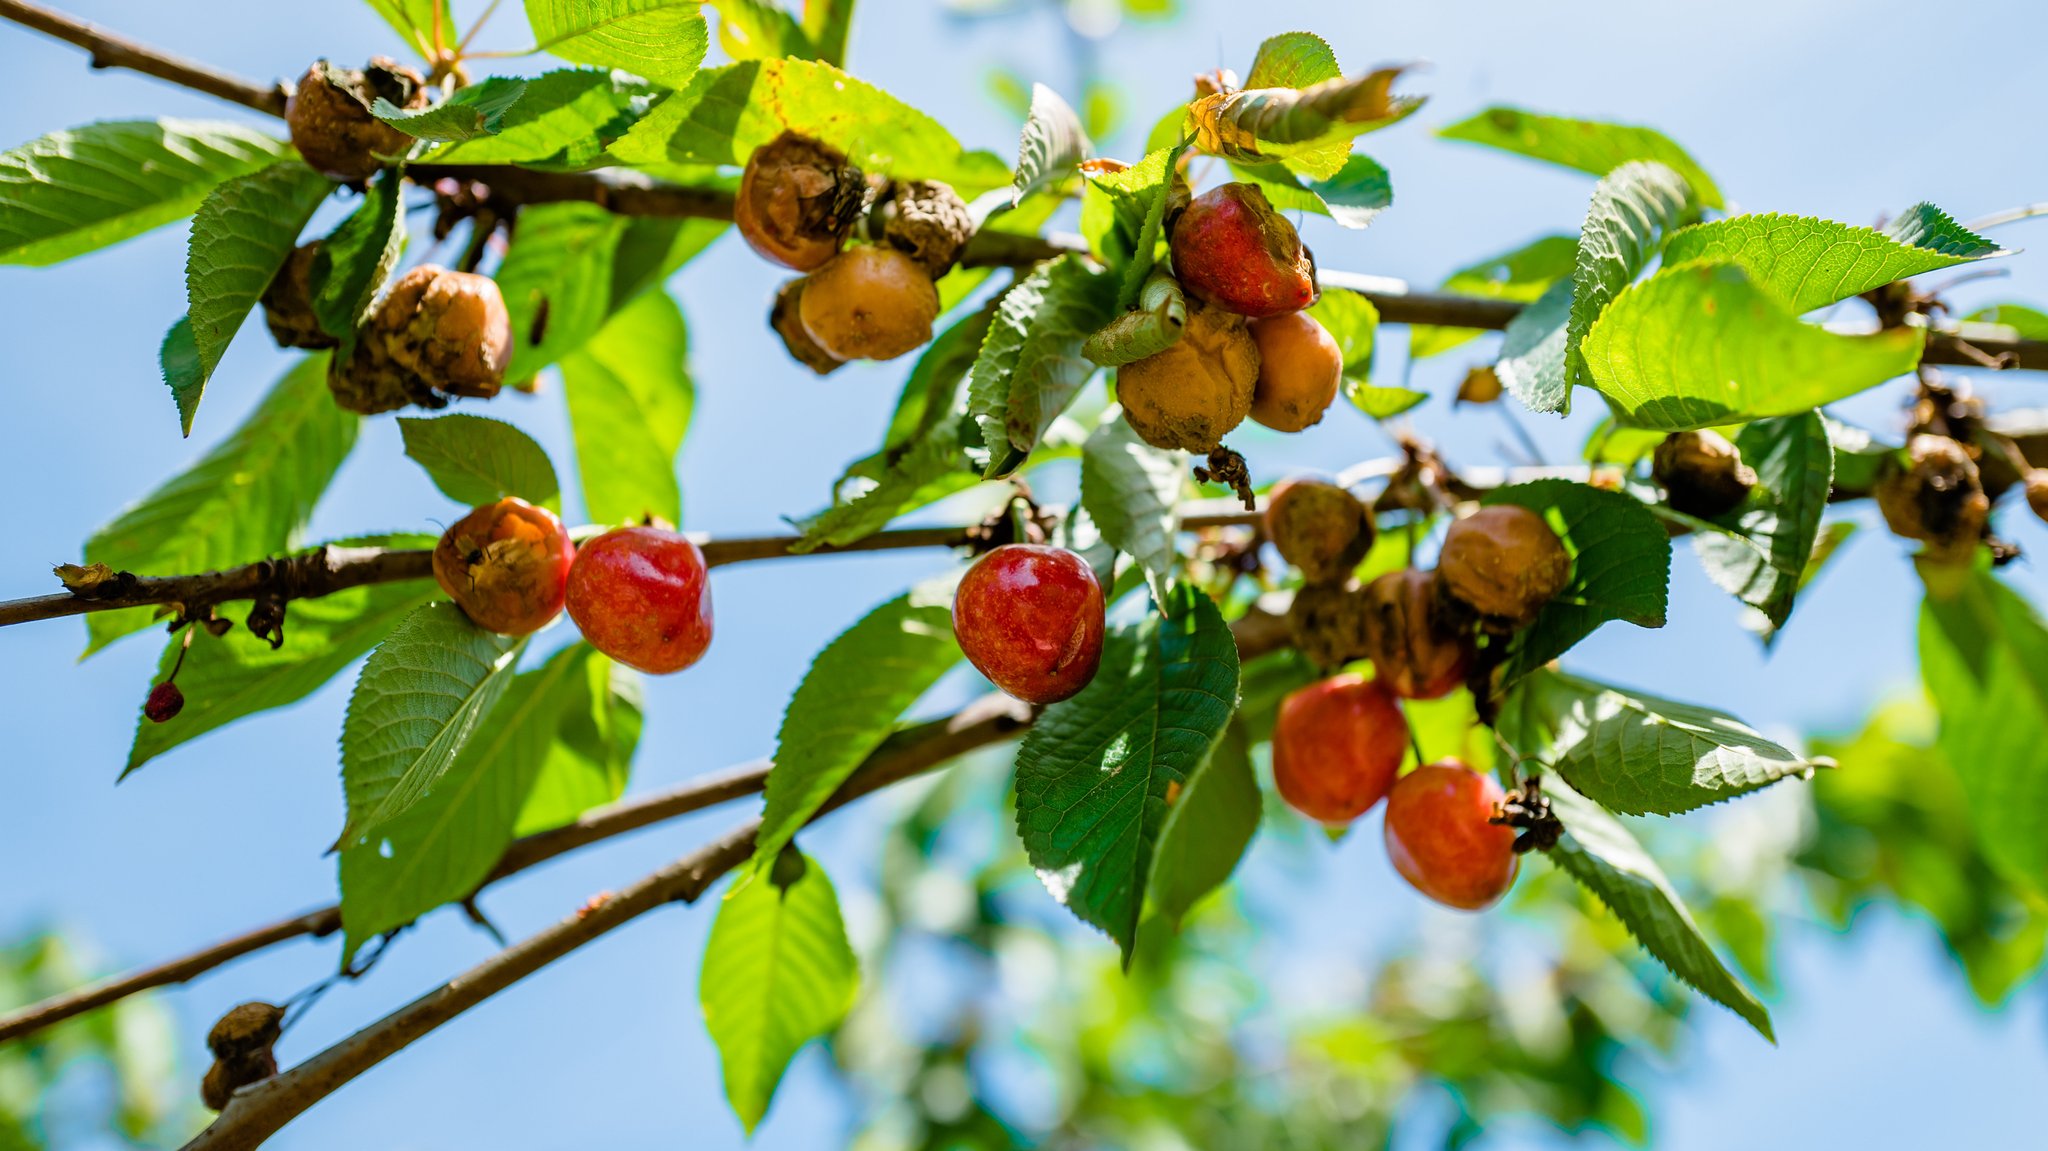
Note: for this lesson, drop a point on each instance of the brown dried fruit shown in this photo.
(1191, 395)
(1481, 385)
(869, 303)
(1937, 496)
(2037, 492)
(435, 334)
(785, 319)
(1418, 645)
(797, 201)
(1702, 473)
(1504, 563)
(288, 302)
(246, 1030)
(1319, 528)
(1328, 622)
(927, 221)
(330, 120)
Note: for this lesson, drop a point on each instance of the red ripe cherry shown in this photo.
(1030, 618)
(506, 565)
(1232, 250)
(1336, 747)
(642, 596)
(1441, 841)
(164, 703)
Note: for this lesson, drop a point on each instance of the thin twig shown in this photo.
(111, 50)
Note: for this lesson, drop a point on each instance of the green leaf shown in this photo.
(932, 390)
(1130, 489)
(591, 759)
(1382, 403)
(443, 846)
(1293, 60)
(556, 280)
(1587, 145)
(1353, 322)
(1152, 325)
(1094, 772)
(476, 460)
(240, 237)
(565, 120)
(1531, 365)
(1308, 129)
(1209, 824)
(1052, 147)
(237, 674)
(1360, 190)
(1621, 567)
(1640, 755)
(246, 499)
(760, 30)
(778, 972)
(356, 258)
(663, 40)
(468, 113)
(1115, 205)
(849, 702)
(630, 398)
(1984, 657)
(1761, 555)
(76, 191)
(931, 468)
(827, 23)
(1607, 861)
(1807, 262)
(420, 697)
(2027, 323)
(178, 357)
(1698, 345)
(1634, 208)
(728, 112)
(1522, 274)
(1031, 366)
(417, 20)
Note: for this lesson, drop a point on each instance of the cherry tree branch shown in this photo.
(112, 50)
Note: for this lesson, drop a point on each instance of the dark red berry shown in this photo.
(164, 703)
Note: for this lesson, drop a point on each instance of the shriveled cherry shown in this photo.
(506, 565)
(1414, 637)
(1030, 618)
(1231, 249)
(869, 303)
(164, 703)
(1504, 562)
(1336, 747)
(798, 199)
(1188, 397)
(1320, 528)
(1440, 840)
(642, 596)
(1300, 367)
(331, 122)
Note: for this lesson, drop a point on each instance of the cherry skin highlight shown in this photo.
(1439, 838)
(1336, 747)
(1030, 618)
(1232, 250)
(642, 596)
(506, 565)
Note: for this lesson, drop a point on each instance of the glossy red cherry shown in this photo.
(164, 703)
(1030, 618)
(1440, 840)
(642, 596)
(506, 565)
(1232, 250)
(1336, 747)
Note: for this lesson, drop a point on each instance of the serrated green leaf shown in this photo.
(760, 30)
(240, 237)
(417, 22)
(178, 358)
(1293, 60)
(663, 40)
(420, 697)
(1308, 129)
(1360, 190)
(1522, 274)
(1052, 147)
(467, 114)
(1532, 359)
(932, 390)
(1208, 827)
(1094, 772)
(1151, 233)
(1641, 755)
(1153, 324)
(1130, 489)
(1621, 567)
(591, 757)
(1807, 262)
(1030, 366)
(1698, 345)
(1607, 861)
(238, 674)
(556, 280)
(564, 121)
(1761, 555)
(76, 191)
(778, 972)
(1587, 145)
(728, 112)
(476, 460)
(849, 702)
(1382, 403)
(443, 846)
(246, 499)
(1634, 208)
(930, 468)
(630, 399)
(356, 258)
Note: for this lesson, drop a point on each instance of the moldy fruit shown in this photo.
(642, 596)
(1319, 528)
(784, 318)
(1336, 747)
(288, 302)
(435, 334)
(869, 303)
(506, 565)
(1440, 840)
(1030, 618)
(1231, 249)
(330, 120)
(1938, 496)
(1504, 563)
(1702, 473)
(1300, 367)
(1327, 623)
(797, 201)
(1415, 642)
(927, 221)
(1188, 397)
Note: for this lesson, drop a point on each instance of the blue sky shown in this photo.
(1838, 109)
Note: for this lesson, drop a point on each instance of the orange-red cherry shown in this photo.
(1440, 840)
(1336, 747)
(642, 596)
(506, 565)
(1031, 619)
